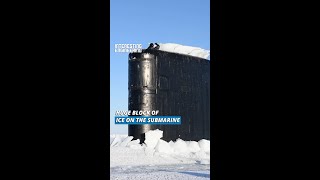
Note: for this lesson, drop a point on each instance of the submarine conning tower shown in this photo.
(176, 85)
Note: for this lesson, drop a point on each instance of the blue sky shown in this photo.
(185, 22)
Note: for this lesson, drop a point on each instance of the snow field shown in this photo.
(155, 151)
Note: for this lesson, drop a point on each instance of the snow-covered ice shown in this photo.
(158, 159)
(164, 147)
(181, 49)
(126, 141)
(204, 145)
(152, 138)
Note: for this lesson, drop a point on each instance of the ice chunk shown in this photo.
(180, 146)
(152, 137)
(204, 145)
(126, 141)
(134, 142)
(193, 146)
(188, 50)
(135, 146)
(171, 143)
(111, 139)
(116, 141)
(163, 147)
(149, 151)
